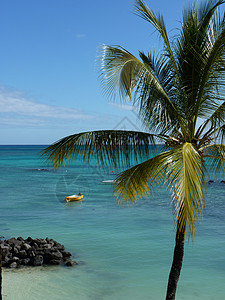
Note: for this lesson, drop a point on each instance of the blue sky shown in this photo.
(49, 85)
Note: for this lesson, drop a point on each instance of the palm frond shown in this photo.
(156, 111)
(199, 51)
(215, 157)
(206, 12)
(121, 71)
(212, 79)
(186, 181)
(216, 123)
(111, 147)
(221, 133)
(181, 168)
(140, 179)
(158, 22)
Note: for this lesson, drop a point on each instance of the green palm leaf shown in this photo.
(181, 168)
(186, 180)
(153, 80)
(215, 157)
(199, 51)
(216, 124)
(121, 71)
(140, 179)
(156, 111)
(158, 22)
(111, 147)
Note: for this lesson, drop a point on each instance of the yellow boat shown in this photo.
(74, 198)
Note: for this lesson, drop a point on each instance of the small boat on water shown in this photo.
(108, 181)
(74, 198)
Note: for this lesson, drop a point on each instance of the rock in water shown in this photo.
(17, 252)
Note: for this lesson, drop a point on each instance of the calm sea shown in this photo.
(124, 252)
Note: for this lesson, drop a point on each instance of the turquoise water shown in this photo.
(124, 252)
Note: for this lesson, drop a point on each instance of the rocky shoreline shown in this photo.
(18, 252)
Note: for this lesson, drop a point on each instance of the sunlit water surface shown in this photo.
(123, 252)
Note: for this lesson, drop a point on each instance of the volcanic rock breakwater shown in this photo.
(18, 252)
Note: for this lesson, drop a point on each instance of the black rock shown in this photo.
(13, 265)
(15, 259)
(66, 254)
(59, 246)
(40, 252)
(29, 240)
(38, 260)
(5, 251)
(71, 263)
(57, 255)
(33, 252)
(4, 264)
(46, 246)
(15, 250)
(25, 261)
(26, 246)
(13, 242)
(22, 254)
(55, 262)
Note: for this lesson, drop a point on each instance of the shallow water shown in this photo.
(123, 252)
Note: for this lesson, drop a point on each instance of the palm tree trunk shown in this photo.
(176, 266)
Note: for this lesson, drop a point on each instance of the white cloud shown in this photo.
(124, 106)
(16, 107)
(80, 35)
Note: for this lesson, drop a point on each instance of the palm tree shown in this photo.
(180, 97)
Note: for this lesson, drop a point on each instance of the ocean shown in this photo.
(123, 252)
